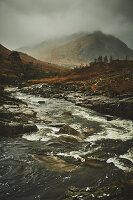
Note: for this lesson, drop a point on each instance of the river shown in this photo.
(24, 175)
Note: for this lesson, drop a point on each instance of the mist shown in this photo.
(28, 22)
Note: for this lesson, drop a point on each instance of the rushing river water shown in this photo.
(24, 176)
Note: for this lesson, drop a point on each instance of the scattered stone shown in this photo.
(41, 102)
(68, 140)
(67, 114)
(89, 132)
(109, 117)
(28, 128)
(66, 129)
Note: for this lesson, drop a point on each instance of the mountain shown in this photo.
(43, 51)
(16, 66)
(80, 48)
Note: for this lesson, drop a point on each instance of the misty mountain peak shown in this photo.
(80, 48)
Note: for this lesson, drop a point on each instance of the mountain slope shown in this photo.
(80, 48)
(43, 51)
(19, 66)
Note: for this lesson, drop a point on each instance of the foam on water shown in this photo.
(128, 155)
(91, 116)
(45, 133)
(74, 154)
(117, 129)
(121, 126)
(111, 133)
(119, 164)
(78, 155)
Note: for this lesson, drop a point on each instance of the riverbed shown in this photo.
(31, 165)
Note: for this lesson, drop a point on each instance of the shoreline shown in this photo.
(119, 106)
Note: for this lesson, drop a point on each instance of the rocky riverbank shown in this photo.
(16, 117)
(113, 107)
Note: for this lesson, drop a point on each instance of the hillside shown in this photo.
(80, 48)
(19, 66)
(108, 79)
(43, 51)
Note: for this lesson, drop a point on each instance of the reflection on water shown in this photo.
(31, 166)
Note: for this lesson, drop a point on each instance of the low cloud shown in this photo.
(28, 22)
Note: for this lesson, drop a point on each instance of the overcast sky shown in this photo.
(27, 22)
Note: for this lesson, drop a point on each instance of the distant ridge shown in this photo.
(80, 48)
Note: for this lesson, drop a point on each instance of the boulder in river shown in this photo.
(55, 163)
(67, 114)
(14, 128)
(41, 102)
(66, 129)
(28, 128)
(89, 132)
(68, 139)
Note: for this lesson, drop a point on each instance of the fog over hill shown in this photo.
(25, 23)
(79, 48)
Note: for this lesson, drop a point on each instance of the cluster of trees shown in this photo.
(107, 59)
(103, 59)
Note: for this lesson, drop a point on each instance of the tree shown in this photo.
(105, 59)
(111, 59)
(100, 59)
(95, 60)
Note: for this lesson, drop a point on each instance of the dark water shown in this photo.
(24, 178)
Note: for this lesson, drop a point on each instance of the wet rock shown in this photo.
(68, 139)
(14, 128)
(57, 96)
(28, 128)
(114, 146)
(128, 187)
(55, 163)
(66, 129)
(108, 192)
(67, 114)
(41, 102)
(30, 113)
(89, 132)
(10, 129)
(109, 117)
(6, 114)
(93, 163)
(109, 106)
(58, 125)
(126, 108)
